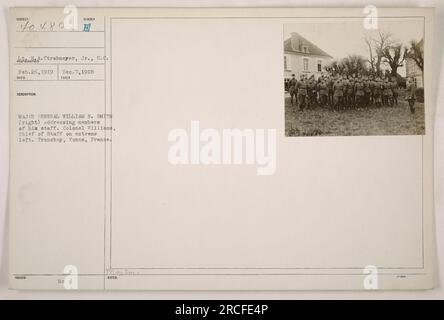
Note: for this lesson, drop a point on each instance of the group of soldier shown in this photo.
(343, 91)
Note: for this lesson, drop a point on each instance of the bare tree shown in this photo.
(372, 57)
(380, 44)
(416, 54)
(394, 56)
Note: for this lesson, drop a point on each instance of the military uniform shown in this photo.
(394, 87)
(411, 94)
(323, 93)
(351, 93)
(330, 83)
(388, 94)
(371, 84)
(301, 88)
(338, 93)
(377, 93)
(367, 92)
(311, 92)
(293, 82)
(410, 90)
(359, 93)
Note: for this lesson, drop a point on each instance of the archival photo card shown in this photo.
(151, 149)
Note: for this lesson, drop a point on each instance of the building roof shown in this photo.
(297, 42)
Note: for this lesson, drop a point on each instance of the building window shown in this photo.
(319, 65)
(305, 64)
(305, 49)
(286, 63)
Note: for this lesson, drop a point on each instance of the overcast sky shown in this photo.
(341, 37)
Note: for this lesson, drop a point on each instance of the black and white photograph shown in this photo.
(342, 78)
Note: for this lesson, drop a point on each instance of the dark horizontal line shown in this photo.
(57, 64)
(67, 31)
(59, 47)
(61, 80)
(53, 274)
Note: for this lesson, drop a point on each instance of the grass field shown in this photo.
(397, 120)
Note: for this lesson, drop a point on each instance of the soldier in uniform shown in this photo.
(345, 84)
(311, 91)
(388, 95)
(338, 93)
(355, 80)
(394, 86)
(367, 92)
(383, 96)
(411, 93)
(377, 92)
(411, 88)
(359, 92)
(292, 90)
(320, 80)
(350, 93)
(330, 83)
(372, 89)
(301, 89)
(323, 92)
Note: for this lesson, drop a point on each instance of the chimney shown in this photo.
(295, 41)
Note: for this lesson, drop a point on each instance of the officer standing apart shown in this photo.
(301, 88)
(292, 84)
